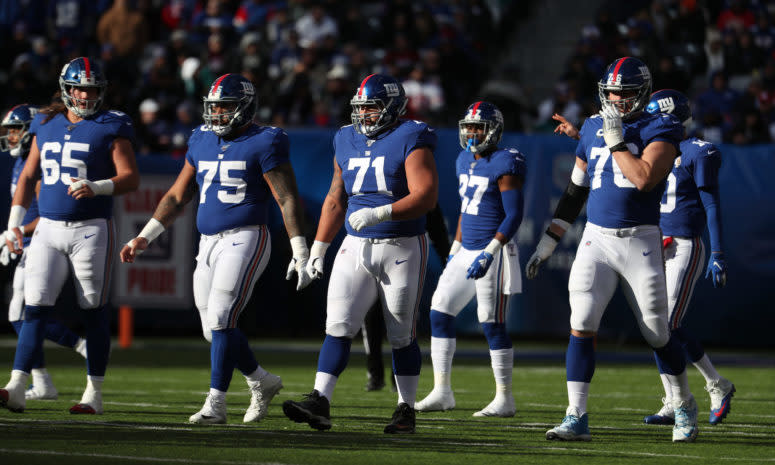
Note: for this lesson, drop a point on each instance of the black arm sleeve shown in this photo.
(437, 231)
(571, 202)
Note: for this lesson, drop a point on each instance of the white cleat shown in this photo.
(47, 391)
(80, 347)
(212, 413)
(91, 404)
(13, 399)
(501, 406)
(685, 428)
(437, 401)
(261, 394)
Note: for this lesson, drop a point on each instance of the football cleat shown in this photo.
(403, 420)
(213, 412)
(574, 427)
(437, 401)
(665, 416)
(315, 411)
(685, 429)
(375, 383)
(46, 391)
(501, 406)
(91, 404)
(80, 347)
(721, 392)
(261, 394)
(13, 399)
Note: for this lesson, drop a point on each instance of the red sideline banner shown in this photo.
(161, 276)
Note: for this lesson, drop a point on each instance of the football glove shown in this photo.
(298, 263)
(5, 255)
(717, 268)
(543, 251)
(480, 266)
(612, 126)
(370, 216)
(317, 258)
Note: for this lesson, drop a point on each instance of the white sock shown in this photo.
(256, 376)
(407, 389)
(578, 391)
(666, 384)
(502, 361)
(680, 386)
(325, 384)
(218, 396)
(442, 353)
(18, 380)
(93, 386)
(707, 369)
(40, 377)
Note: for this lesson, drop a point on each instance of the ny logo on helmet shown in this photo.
(666, 105)
(247, 88)
(644, 71)
(391, 88)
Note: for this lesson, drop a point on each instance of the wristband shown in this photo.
(103, 187)
(152, 230)
(15, 216)
(384, 213)
(493, 247)
(299, 247)
(620, 147)
(456, 245)
(319, 249)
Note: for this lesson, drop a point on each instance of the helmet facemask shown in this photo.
(22, 136)
(472, 141)
(220, 115)
(370, 116)
(633, 98)
(83, 108)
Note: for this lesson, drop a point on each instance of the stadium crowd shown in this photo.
(305, 58)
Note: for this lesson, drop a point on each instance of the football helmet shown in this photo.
(486, 115)
(629, 77)
(230, 104)
(18, 118)
(377, 104)
(673, 102)
(82, 72)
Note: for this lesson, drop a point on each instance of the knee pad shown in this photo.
(218, 310)
(399, 341)
(344, 329)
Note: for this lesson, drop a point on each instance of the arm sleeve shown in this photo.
(425, 138)
(706, 168)
(278, 152)
(711, 201)
(513, 206)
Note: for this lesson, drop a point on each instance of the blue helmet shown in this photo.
(82, 72)
(673, 102)
(18, 118)
(384, 100)
(628, 76)
(486, 115)
(235, 97)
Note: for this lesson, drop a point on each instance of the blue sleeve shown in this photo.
(706, 167)
(581, 148)
(191, 144)
(666, 128)
(125, 129)
(712, 204)
(278, 152)
(513, 206)
(36, 123)
(425, 138)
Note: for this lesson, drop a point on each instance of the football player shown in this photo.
(16, 141)
(236, 166)
(622, 161)
(690, 202)
(84, 156)
(483, 261)
(384, 183)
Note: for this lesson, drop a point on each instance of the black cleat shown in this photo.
(315, 411)
(403, 420)
(375, 384)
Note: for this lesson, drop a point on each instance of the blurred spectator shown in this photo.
(19, 43)
(176, 13)
(713, 108)
(185, 122)
(688, 26)
(714, 52)
(285, 55)
(153, 133)
(401, 57)
(737, 17)
(251, 15)
(667, 76)
(314, 26)
(426, 98)
(335, 100)
(216, 57)
(212, 20)
(124, 28)
(277, 25)
(72, 24)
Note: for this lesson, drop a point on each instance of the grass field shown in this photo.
(152, 389)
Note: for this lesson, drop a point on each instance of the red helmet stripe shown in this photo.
(87, 65)
(476, 107)
(218, 82)
(616, 69)
(360, 89)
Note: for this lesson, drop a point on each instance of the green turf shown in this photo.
(150, 392)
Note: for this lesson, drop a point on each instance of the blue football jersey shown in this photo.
(32, 211)
(481, 206)
(230, 175)
(614, 202)
(83, 150)
(374, 174)
(683, 214)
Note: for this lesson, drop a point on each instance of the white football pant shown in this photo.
(684, 260)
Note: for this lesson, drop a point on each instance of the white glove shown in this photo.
(298, 263)
(543, 251)
(5, 255)
(101, 187)
(317, 258)
(370, 216)
(612, 126)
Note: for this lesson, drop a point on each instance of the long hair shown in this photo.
(56, 107)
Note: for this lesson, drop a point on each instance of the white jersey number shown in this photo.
(668, 204)
(362, 165)
(52, 168)
(479, 183)
(601, 156)
(222, 168)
